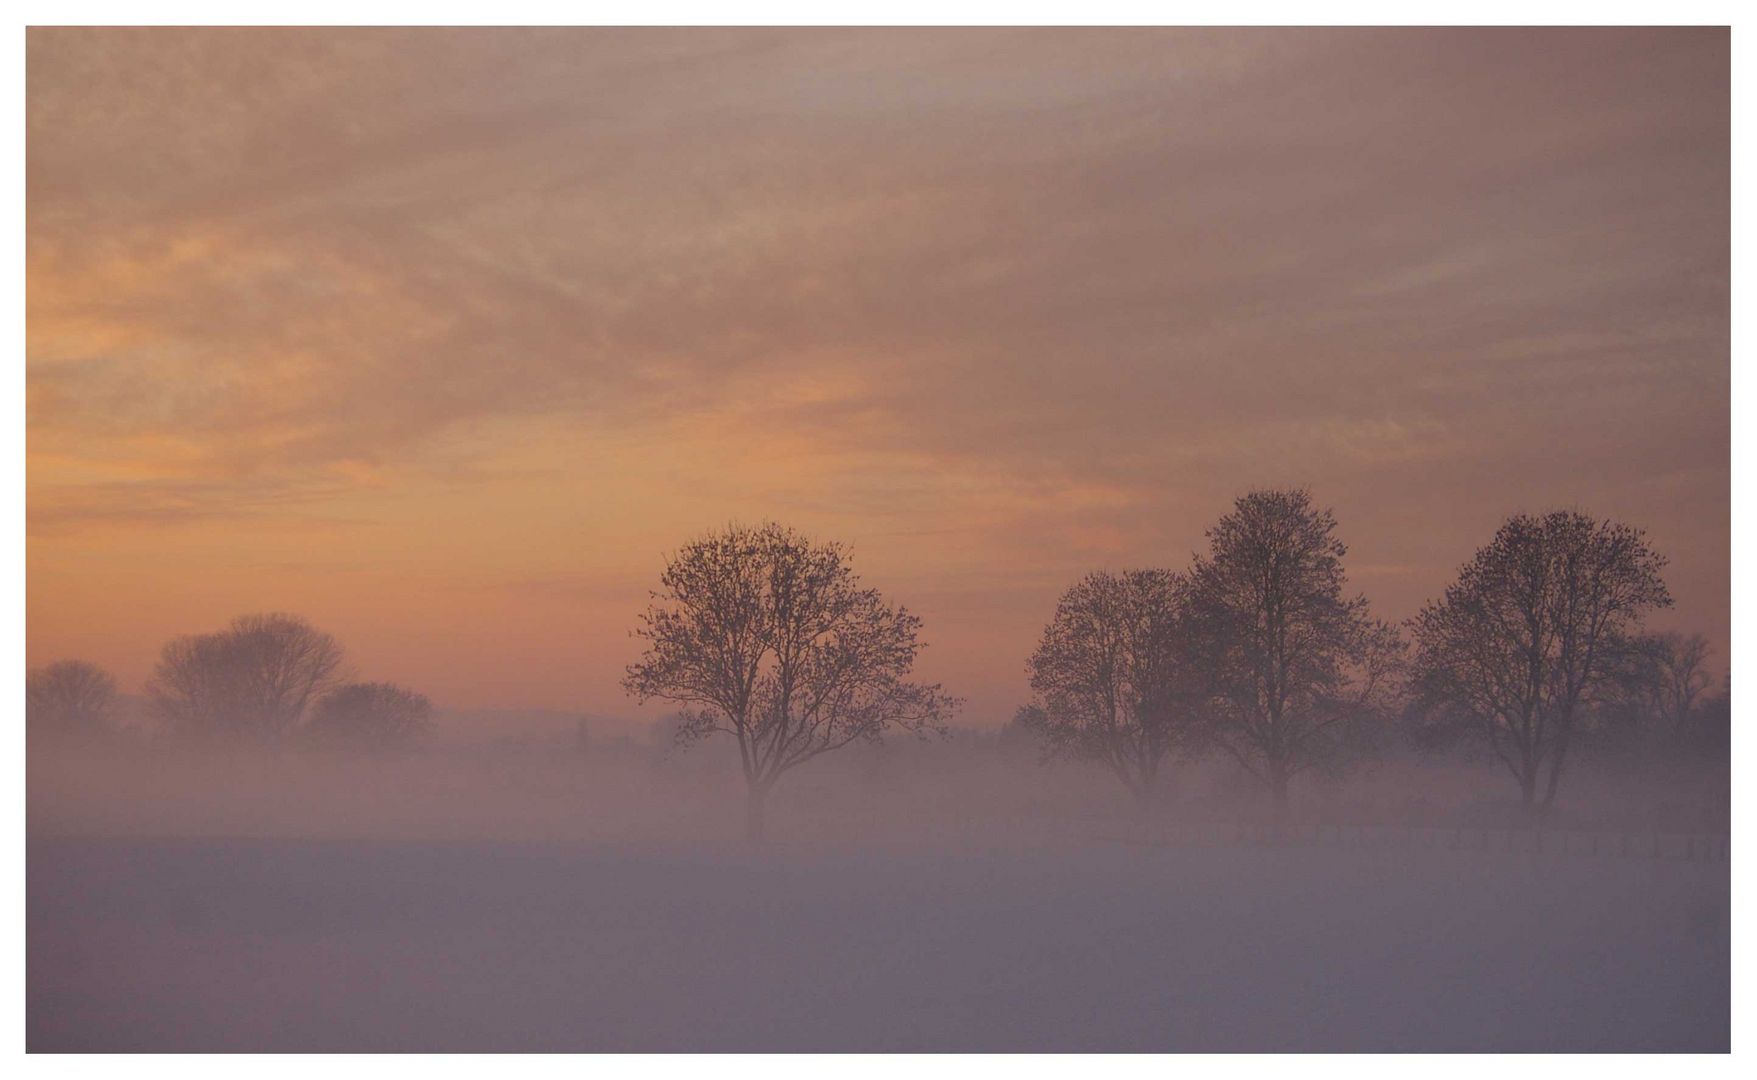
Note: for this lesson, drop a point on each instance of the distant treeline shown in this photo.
(263, 680)
(1256, 652)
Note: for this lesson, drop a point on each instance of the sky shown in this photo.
(445, 338)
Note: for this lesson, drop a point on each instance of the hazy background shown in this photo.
(444, 338)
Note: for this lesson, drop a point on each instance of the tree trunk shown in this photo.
(1557, 757)
(753, 813)
(1146, 795)
(1278, 791)
(1532, 806)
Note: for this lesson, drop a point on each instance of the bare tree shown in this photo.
(1653, 694)
(1300, 666)
(69, 698)
(1115, 678)
(252, 680)
(370, 718)
(1677, 676)
(1027, 728)
(1531, 630)
(767, 636)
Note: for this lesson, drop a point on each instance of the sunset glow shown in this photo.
(444, 340)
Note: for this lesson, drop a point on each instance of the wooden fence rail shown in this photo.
(1630, 844)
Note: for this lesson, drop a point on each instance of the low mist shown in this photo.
(953, 894)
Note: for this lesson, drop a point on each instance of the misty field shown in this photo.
(339, 945)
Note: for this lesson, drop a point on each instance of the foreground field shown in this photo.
(361, 945)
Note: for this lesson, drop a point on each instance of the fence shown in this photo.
(1630, 844)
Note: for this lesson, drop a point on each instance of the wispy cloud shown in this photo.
(1054, 294)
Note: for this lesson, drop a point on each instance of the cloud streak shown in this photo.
(1016, 302)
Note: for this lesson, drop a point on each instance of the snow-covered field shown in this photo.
(153, 943)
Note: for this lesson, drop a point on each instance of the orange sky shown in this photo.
(444, 338)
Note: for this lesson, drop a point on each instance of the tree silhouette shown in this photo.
(373, 718)
(250, 681)
(1116, 679)
(1674, 670)
(1533, 629)
(69, 698)
(767, 636)
(1299, 666)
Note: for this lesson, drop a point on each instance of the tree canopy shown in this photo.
(767, 636)
(253, 680)
(1115, 677)
(1535, 626)
(1298, 661)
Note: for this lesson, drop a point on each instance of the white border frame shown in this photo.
(906, 12)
